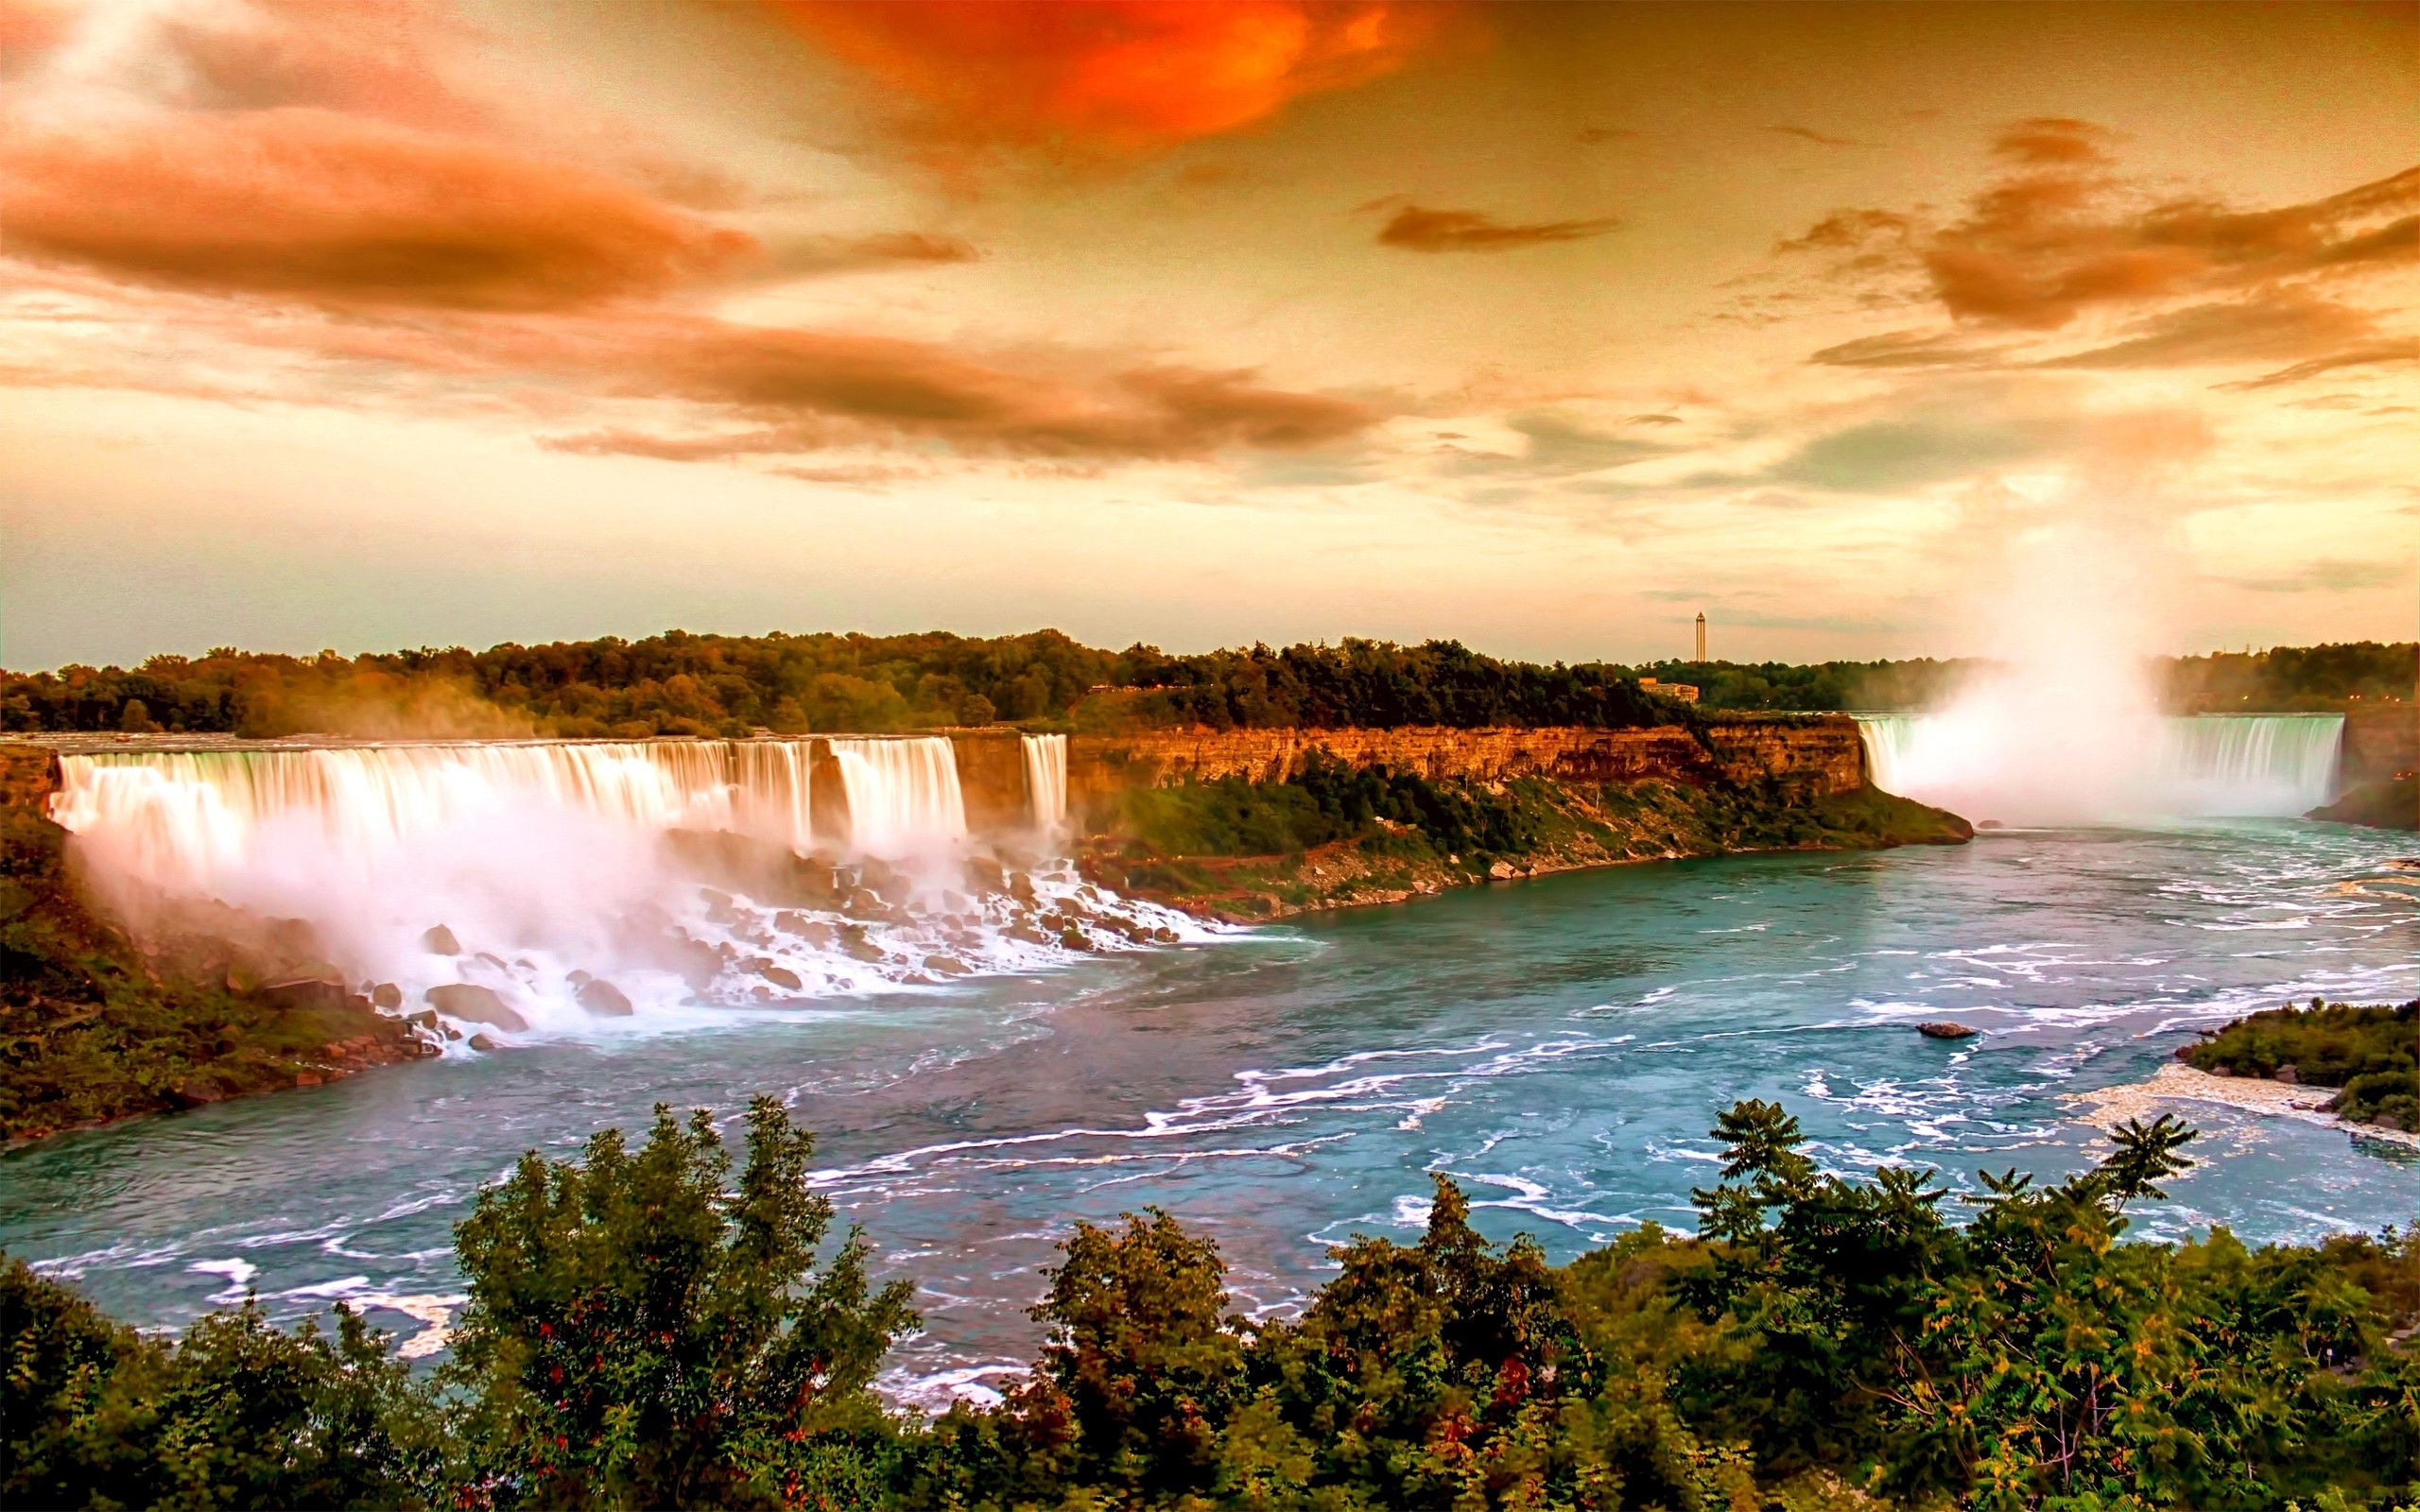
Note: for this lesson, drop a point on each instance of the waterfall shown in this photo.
(2241, 766)
(1885, 738)
(903, 794)
(177, 819)
(2252, 763)
(1046, 778)
(533, 870)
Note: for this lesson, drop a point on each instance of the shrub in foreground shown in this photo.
(643, 1333)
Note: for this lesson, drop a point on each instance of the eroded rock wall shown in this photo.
(2379, 743)
(1822, 756)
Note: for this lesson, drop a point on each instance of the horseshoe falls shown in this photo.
(2205, 766)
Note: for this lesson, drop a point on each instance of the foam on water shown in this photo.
(550, 864)
(1562, 1047)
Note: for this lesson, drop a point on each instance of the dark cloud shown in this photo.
(1909, 348)
(884, 387)
(848, 254)
(1589, 136)
(1416, 230)
(1882, 456)
(1808, 134)
(1653, 420)
(2277, 328)
(2330, 575)
(1560, 445)
(2379, 354)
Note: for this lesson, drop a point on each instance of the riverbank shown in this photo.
(1563, 827)
(2109, 1106)
(96, 1027)
(1237, 827)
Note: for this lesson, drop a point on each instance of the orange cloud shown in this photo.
(1467, 231)
(309, 203)
(2061, 232)
(1122, 75)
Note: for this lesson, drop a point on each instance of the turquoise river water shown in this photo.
(1558, 1045)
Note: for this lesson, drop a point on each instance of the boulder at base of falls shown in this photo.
(440, 940)
(1942, 1029)
(482, 1043)
(311, 987)
(948, 966)
(603, 999)
(478, 1005)
(386, 995)
(780, 976)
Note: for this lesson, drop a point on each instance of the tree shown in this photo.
(640, 1334)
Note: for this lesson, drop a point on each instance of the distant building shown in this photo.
(1700, 657)
(1670, 690)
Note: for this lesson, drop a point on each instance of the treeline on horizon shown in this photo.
(680, 683)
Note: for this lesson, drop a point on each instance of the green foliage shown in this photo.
(2372, 1053)
(682, 685)
(641, 1335)
(2355, 674)
(1821, 686)
(89, 1031)
(1324, 801)
(239, 1415)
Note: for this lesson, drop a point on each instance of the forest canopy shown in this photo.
(679, 683)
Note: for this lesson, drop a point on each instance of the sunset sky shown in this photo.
(400, 322)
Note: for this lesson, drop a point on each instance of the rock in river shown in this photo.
(1942, 1029)
(479, 1004)
(603, 999)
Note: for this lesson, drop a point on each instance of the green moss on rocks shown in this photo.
(91, 1030)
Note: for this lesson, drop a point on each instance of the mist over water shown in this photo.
(529, 868)
(2065, 727)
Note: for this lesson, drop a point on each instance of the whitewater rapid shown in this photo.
(691, 876)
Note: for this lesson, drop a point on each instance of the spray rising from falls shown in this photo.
(680, 874)
(2210, 765)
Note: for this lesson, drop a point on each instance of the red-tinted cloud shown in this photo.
(307, 202)
(1122, 75)
(1415, 230)
(2060, 232)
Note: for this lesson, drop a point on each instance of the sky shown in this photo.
(405, 323)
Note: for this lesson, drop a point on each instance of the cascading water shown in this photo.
(903, 794)
(2252, 763)
(1046, 778)
(548, 864)
(2237, 766)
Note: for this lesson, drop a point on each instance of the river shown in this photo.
(1558, 1045)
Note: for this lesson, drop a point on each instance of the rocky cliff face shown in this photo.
(1820, 756)
(2379, 743)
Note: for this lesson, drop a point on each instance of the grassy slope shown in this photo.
(2372, 1053)
(91, 1031)
(1219, 847)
